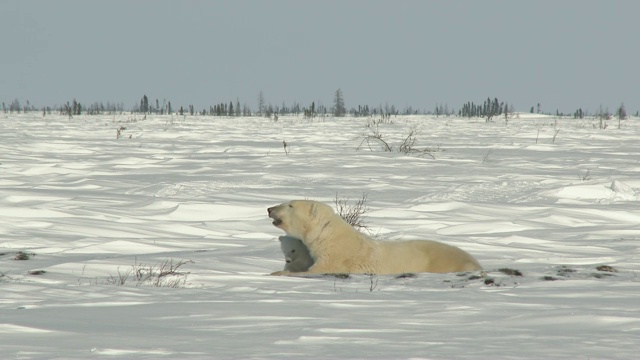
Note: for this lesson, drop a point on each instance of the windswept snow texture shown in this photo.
(550, 199)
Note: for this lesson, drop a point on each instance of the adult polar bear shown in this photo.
(336, 247)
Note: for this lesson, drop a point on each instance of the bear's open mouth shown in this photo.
(272, 215)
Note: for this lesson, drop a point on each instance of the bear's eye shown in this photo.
(290, 205)
(293, 251)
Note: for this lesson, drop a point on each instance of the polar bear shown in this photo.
(296, 254)
(336, 247)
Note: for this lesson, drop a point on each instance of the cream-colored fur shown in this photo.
(336, 247)
(296, 254)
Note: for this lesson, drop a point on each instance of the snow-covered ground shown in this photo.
(92, 212)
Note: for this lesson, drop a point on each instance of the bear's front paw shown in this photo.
(281, 273)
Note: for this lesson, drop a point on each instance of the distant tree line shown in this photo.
(487, 109)
(15, 106)
(603, 114)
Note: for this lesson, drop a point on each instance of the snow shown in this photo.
(87, 208)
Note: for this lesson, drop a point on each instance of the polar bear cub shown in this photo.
(336, 247)
(296, 254)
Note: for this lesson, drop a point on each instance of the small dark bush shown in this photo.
(406, 275)
(23, 256)
(512, 272)
(341, 275)
(606, 268)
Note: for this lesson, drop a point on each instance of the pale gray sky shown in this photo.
(562, 54)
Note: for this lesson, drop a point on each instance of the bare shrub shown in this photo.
(486, 159)
(164, 274)
(352, 214)
(120, 279)
(375, 136)
(119, 131)
(382, 120)
(373, 285)
(4, 277)
(407, 146)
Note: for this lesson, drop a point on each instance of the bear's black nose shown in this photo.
(269, 210)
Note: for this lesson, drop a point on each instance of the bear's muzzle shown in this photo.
(271, 212)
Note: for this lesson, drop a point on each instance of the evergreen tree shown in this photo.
(260, 103)
(506, 111)
(338, 104)
(311, 111)
(144, 104)
(14, 106)
(622, 113)
(246, 110)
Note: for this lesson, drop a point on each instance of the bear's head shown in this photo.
(300, 218)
